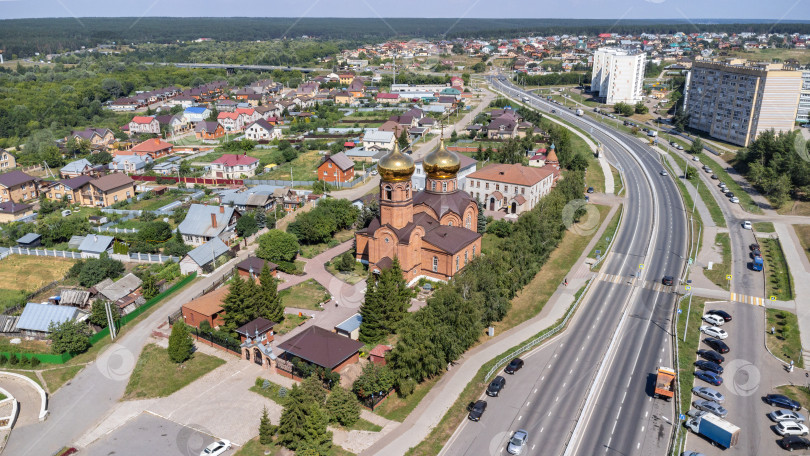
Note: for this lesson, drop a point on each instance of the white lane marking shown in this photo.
(533, 447)
(646, 413)
(541, 430)
(642, 428)
(576, 359)
(623, 397)
(638, 445)
(521, 416)
(571, 372)
(619, 413)
(541, 379)
(535, 390)
(527, 404)
(558, 398)
(564, 384)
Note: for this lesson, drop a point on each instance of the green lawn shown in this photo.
(306, 295)
(360, 272)
(155, 375)
(396, 408)
(313, 250)
(803, 233)
(618, 185)
(154, 203)
(303, 167)
(764, 227)
(55, 378)
(607, 236)
(687, 348)
(714, 209)
(720, 270)
(797, 393)
(746, 202)
(778, 281)
(785, 342)
(594, 176)
(254, 448)
(291, 321)
(273, 391)
(364, 425)
(10, 298)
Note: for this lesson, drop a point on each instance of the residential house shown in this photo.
(36, 319)
(124, 293)
(232, 166)
(207, 307)
(387, 97)
(94, 245)
(11, 211)
(321, 348)
(512, 188)
(343, 97)
(76, 168)
(201, 259)
(337, 168)
(249, 115)
(259, 197)
(203, 223)
(7, 160)
(346, 78)
(144, 124)
(457, 83)
(252, 266)
(261, 130)
(502, 127)
(166, 168)
(209, 130)
(393, 127)
(98, 137)
(17, 186)
(467, 167)
(154, 148)
(231, 121)
(196, 114)
(129, 164)
(382, 139)
(175, 124)
(67, 189)
(365, 155)
(350, 327)
(108, 190)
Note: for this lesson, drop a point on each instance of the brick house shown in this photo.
(108, 190)
(231, 166)
(69, 189)
(337, 168)
(249, 115)
(207, 307)
(209, 130)
(154, 148)
(7, 160)
(231, 121)
(17, 186)
(144, 124)
(97, 137)
(513, 188)
(319, 347)
(11, 211)
(252, 267)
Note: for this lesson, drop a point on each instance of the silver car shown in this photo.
(709, 394)
(711, 407)
(518, 442)
(786, 415)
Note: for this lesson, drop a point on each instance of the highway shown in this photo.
(624, 320)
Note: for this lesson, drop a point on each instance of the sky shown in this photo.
(777, 10)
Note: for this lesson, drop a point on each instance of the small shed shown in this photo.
(94, 245)
(75, 242)
(203, 256)
(76, 298)
(37, 318)
(350, 327)
(30, 240)
(377, 354)
(207, 307)
(252, 266)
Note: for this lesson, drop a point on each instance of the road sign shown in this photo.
(598, 252)
(773, 298)
(728, 276)
(690, 261)
(682, 416)
(688, 287)
(641, 266)
(679, 311)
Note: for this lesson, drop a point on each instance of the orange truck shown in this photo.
(665, 383)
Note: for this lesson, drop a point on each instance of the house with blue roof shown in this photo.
(76, 168)
(196, 114)
(93, 245)
(36, 319)
(201, 259)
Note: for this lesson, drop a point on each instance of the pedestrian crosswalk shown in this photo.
(650, 285)
(660, 287)
(736, 297)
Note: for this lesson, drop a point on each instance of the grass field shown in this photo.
(291, 321)
(687, 348)
(618, 184)
(803, 233)
(704, 192)
(360, 272)
(764, 227)
(254, 448)
(720, 270)
(785, 342)
(779, 282)
(154, 203)
(306, 295)
(746, 202)
(795, 208)
(21, 274)
(155, 375)
(397, 409)
(310, 251)
(304, 168)
(55, 378)
(594, 176)
(607, 236)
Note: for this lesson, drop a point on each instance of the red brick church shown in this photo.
(433, 232)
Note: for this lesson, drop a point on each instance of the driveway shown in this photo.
(27, 396)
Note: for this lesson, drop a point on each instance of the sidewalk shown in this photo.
(799, 268)
(441, 397)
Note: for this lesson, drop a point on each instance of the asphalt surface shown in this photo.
(149, 434)
(547, 396)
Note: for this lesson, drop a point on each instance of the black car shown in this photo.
(667, 280)
(753, 246)
(721, 313)
(590, 189)
(714, 176)
(477, 410)
(709, 366)
(514, 366)
(718, 345)
(712, 356)
(730, 194)
(780, 400)
(495, 387)
(794, 442)
(755, 253)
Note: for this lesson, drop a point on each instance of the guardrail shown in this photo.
(534, 342)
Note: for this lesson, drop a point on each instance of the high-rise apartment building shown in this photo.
(618, 75)
(737, 100)
(803, 114)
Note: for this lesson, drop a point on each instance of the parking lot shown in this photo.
(150, 434)
(750, 372)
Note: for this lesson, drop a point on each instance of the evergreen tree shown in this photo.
(482, 219)
(252, 302)
(313, 391)
(233, 304)
(266, 429)
(403, 140)
(386, 304)
(343, 407)
(261, 219)
(479, 154)
(180, 343)
(293, 420)
(316, 438)
(271, 303)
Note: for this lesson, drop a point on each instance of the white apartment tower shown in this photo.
(618, 75)
(737, 100)
(803, 114)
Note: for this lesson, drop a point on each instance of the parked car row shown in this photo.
(709, 365)
(517, 444)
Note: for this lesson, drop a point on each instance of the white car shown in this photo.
(695, 158)
(216, 448)
(713, 319)
(747, 225)
(786, 415)
(735, 200)
(791, 428)
(664, 173)
(713, 331)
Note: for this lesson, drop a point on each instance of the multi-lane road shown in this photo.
(588, 392)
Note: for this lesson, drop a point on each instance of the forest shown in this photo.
(778, 165)
(24, 37)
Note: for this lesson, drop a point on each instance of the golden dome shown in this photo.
(441, 163)
(396, 166)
